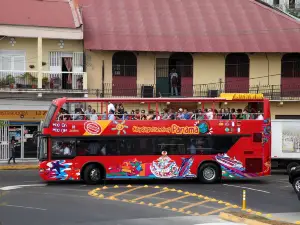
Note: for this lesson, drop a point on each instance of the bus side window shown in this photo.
(126, 146)
(198, 146)
(222, 144)
(112, 147)
(63, 148)
(173, 146)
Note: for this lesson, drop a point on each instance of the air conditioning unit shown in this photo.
(147, 91)
(213, 93)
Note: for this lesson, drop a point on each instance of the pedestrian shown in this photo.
(12, 150)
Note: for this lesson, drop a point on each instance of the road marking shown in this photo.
(172, 200)
(150, 195)
(216, 211)
(31, 181)
(125, 192)
(25, 207)
(158, 198)
(252, 189)
(7, 188)
(194, 204)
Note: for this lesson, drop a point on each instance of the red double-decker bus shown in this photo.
(92, 139)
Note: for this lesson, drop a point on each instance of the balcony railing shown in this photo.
(47, 81)
(273, 92)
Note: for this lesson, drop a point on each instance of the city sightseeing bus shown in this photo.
(192, 138)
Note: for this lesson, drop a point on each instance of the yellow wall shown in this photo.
(209, 68)
(29, 45)
(287, 108)
(264, 66)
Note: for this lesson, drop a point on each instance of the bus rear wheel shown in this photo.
(92, 174)
(209, 173)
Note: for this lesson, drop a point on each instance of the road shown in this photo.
(138, 202)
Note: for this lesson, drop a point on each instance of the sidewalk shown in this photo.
(292, 217)
(20, 165)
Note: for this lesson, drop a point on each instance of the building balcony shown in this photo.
(43, 82)
(273, 92)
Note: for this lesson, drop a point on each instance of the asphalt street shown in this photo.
(142, 202)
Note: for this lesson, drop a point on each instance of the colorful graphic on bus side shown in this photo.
(163, 167)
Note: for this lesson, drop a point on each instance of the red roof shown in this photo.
(188, 26)
(41, 13)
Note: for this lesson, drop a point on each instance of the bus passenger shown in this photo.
(143, 115)
(93, 115)
(111, 115)
(165, 114)
(151, 115)
(171, 115)
(111, 107)
(88, 112)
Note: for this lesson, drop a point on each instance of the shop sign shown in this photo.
(22, 114)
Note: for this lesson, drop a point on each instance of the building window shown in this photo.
(12, 60)
(124, 64)
(290, 65)
(237, 65)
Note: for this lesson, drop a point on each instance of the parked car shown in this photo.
(294, 179)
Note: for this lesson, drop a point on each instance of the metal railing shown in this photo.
(47, 80)
(63, 80)
(289, 91)
(18, 80)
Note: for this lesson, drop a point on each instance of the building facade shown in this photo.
(40, 59)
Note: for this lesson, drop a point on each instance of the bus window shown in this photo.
(198, 146)
(173, 145)
(111, 147)
(222, 144)
(90, 147)
(49, 116)
(63, 148)
(136, 146)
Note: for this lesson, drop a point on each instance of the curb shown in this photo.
(19, 167)
(236, 219)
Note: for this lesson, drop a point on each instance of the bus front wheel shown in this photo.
(209, 173)
(92, 174)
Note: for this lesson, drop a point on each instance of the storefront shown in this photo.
(21, 124)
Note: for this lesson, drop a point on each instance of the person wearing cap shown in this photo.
(143, 115)
(180, 115)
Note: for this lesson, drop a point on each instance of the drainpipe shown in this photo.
(40, 59)
(102, 94)
(268, 68)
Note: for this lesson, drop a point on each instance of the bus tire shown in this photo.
(92, 174)
(290, 166)
(209, 173)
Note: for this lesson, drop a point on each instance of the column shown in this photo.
(40, 60)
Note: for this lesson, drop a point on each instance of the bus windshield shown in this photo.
(49, 115)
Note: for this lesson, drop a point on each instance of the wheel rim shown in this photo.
(209, 173)
(297, 185)
(95, 174)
